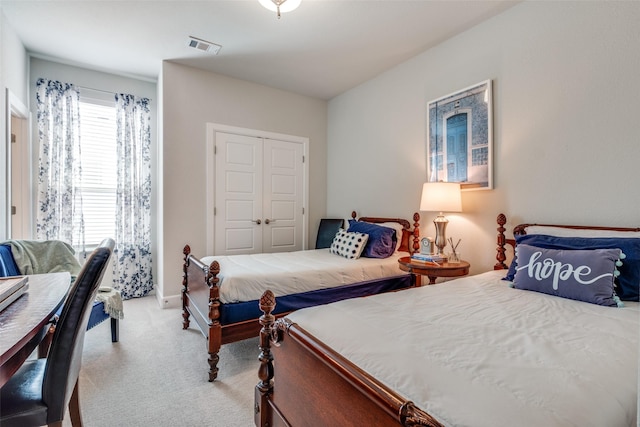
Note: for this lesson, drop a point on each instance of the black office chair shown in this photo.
(40, 391)
(327, 231)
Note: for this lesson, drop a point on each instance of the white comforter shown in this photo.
(246, 277)
(474, 352)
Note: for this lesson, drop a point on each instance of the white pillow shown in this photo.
(574, 232)
(348, 244)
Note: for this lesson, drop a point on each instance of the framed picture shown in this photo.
(460, 138)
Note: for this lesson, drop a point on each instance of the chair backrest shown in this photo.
(65, 355)
(327, 231)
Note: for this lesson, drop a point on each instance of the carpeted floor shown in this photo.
(157, 374)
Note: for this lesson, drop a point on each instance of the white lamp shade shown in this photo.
(441, 197)
(285, 6)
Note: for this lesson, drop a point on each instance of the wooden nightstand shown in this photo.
(432, 271)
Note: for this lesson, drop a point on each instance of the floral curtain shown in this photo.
(132, 252)
(59, 213)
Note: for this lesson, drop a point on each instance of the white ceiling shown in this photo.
(322, 49)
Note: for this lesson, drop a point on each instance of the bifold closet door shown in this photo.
(238, 194)
(282, 196)
(258, 195)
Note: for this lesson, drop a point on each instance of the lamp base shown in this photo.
(441, 240)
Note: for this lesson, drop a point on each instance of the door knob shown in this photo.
(267, 221)
(257, 221)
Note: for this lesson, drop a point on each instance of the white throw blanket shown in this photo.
(112, 303)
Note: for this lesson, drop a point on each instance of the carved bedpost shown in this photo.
(416, 232)
(265, 372)
(411, 416)
(500, 256)
(215, 328)
(185, 286)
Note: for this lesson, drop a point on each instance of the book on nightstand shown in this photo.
(428, 258)
(12, 288)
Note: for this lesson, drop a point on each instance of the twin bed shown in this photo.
(221, 293)
(553, 346)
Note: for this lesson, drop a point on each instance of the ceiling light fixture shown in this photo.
(279, 6)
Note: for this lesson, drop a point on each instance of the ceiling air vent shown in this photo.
(204, 45)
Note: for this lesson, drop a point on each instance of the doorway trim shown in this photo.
(16, 108)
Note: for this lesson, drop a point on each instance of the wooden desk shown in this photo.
(432, 271)
(24, 323)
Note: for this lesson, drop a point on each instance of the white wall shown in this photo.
(13, 77)
(566, 124)
(191, 99)
(13, 61)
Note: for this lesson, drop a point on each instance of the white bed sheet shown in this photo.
(246, 277)
(474, 352)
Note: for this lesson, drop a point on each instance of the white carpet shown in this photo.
(157, 374)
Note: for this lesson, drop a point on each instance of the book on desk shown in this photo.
(12, 288)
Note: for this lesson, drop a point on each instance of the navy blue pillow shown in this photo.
(382, 240)
(628, 282)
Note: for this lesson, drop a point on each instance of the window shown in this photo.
(99, 177)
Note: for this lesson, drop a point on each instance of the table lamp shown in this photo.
(441, 197)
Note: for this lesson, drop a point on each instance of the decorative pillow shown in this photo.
(348, 244)
(382, 240)
(399, 231)
(583, 275)
(628, 282)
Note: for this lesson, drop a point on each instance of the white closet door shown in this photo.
(238, 194)
(283, 195)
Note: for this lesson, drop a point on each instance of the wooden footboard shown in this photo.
(201, 300)
(317, 386)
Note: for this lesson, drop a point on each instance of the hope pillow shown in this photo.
(583, 275)
(629, 280)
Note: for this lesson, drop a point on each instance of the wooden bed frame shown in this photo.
(201, 295)
(317, 386)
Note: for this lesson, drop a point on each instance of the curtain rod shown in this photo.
(97, 90)
(106, 91)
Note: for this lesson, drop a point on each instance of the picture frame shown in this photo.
(460, 138)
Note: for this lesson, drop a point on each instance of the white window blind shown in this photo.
(99, 179)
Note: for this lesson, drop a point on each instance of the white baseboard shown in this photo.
(173, 301)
